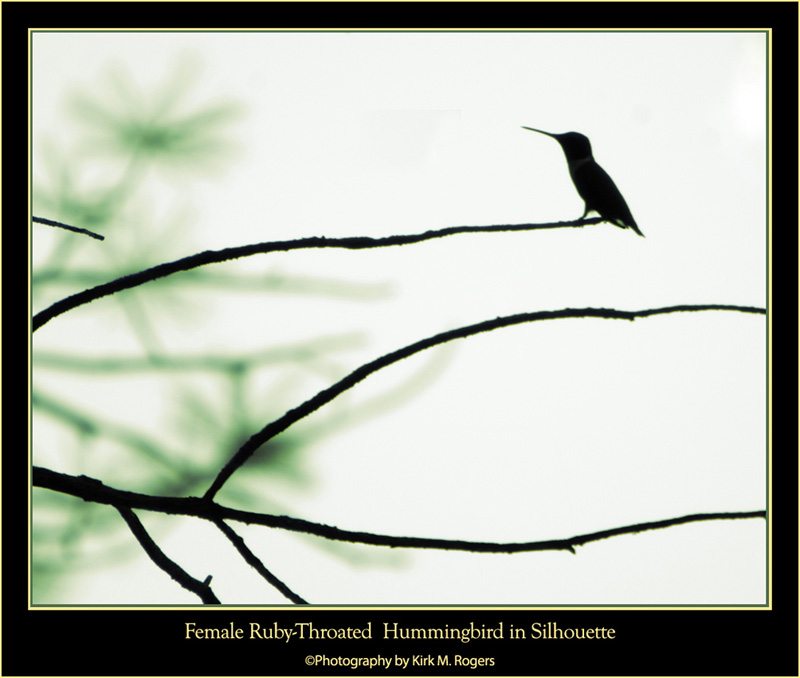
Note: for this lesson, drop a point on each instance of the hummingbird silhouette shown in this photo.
(599, 192)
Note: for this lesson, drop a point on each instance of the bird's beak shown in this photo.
(538, 130)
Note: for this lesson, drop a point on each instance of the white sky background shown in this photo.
(544, 430)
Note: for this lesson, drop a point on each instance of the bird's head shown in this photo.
(575, 146)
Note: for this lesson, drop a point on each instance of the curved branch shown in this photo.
(202, 589)
(90, 489)
(325, 396)
(230, 253)
(254, 562)
(74, 229)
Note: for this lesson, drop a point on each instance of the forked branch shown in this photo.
(90, 489)
(93, 490)
(202, 589)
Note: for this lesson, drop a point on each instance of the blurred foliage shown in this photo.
(130, 145)
(160, 127)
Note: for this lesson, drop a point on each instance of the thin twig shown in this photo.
(326, 395)
(202, 589)
(253, 560)
(90, 489)
(74, 229)
(230, 253)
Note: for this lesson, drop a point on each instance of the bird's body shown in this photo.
(592, 182)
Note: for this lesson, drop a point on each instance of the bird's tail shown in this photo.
(625, 223)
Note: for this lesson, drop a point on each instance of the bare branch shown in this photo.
(253, 560)
(90, 489)
(325, 396)
(202, 589)
(74, 229)
(230, 253)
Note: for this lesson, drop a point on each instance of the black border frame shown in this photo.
(659, 642)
